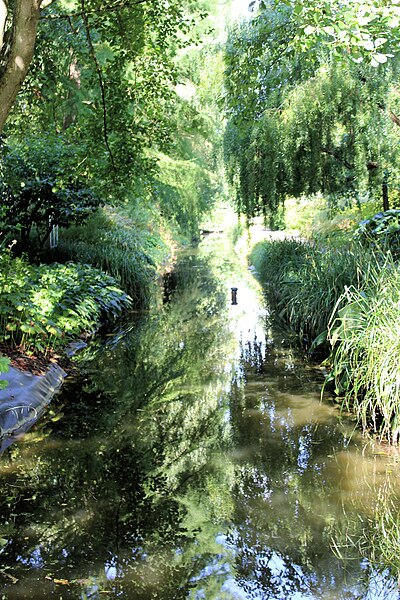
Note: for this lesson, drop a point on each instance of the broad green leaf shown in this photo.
(4, 364)
(379, 58)
(349, 16)
(309, 30)
(368, 45)
(380, 42)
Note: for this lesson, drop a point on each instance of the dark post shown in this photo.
(385, 192)
(234, 295)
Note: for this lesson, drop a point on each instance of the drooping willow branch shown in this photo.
(101, 84)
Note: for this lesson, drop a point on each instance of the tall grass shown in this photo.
(365, 337)
(348, 299)
(304, 282)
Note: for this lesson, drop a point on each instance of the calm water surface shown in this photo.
(192, 458)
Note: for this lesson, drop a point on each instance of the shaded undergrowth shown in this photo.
(123, 246)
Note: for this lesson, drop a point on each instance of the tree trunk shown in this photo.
(17, 50)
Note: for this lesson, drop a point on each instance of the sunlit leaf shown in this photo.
(379, 42)
(309, 30)
(378, 59)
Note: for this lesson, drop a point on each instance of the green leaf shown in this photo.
(380, 42)
(348, 16)
(4, 364)
(329, 30)
(309, 30)
(368, 45)
(320, 339)
(378, 59)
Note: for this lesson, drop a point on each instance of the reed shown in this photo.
(347, 300)
(364, 333)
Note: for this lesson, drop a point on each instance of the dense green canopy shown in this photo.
(309, 108)
(100, 108)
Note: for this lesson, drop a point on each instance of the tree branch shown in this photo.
(101, 84)
(394, 118)
(3, 19)
(338, 157)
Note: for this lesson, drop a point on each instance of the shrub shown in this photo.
(382, 231)
(43, 307)
(38, 191)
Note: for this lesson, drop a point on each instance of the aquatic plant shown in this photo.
(347, 300)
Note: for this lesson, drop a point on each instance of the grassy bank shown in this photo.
(343, 299)
(99, 269)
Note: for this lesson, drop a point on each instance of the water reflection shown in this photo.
(192, 458)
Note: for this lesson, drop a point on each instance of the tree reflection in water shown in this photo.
(170, 468)
(114, 495)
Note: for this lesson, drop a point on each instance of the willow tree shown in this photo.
(302, 117)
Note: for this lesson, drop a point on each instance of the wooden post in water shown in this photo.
(234, 295)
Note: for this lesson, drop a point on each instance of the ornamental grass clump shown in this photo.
(121, 245)
(364, 334)
(303, 282)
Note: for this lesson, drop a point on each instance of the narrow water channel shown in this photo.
(191, 457)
